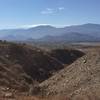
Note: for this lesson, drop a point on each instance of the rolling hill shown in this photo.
(27, 71)
(85, 32)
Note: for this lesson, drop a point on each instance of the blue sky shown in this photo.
(25, 13)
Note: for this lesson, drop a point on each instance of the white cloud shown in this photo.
(52, 11)
(48, 11)
(61, 8)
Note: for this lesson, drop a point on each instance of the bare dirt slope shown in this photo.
(56, 74)
(23, 67)
(80, 78)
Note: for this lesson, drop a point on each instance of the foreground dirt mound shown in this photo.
(23, 67)
(81, 78)
(59, 74)
(41, 64)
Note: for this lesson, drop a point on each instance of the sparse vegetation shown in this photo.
(30, 72)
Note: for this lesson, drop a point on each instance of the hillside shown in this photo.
(28, 72)
(85, 32)
(23, 67)
(70, 37)
(80, 79)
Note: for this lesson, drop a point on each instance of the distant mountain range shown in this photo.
(85, 32)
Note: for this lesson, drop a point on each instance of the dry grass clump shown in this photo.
(79, 97)
(45, 98)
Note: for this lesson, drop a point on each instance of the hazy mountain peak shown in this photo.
(44, 26)
(88, 29)
(91, 24)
